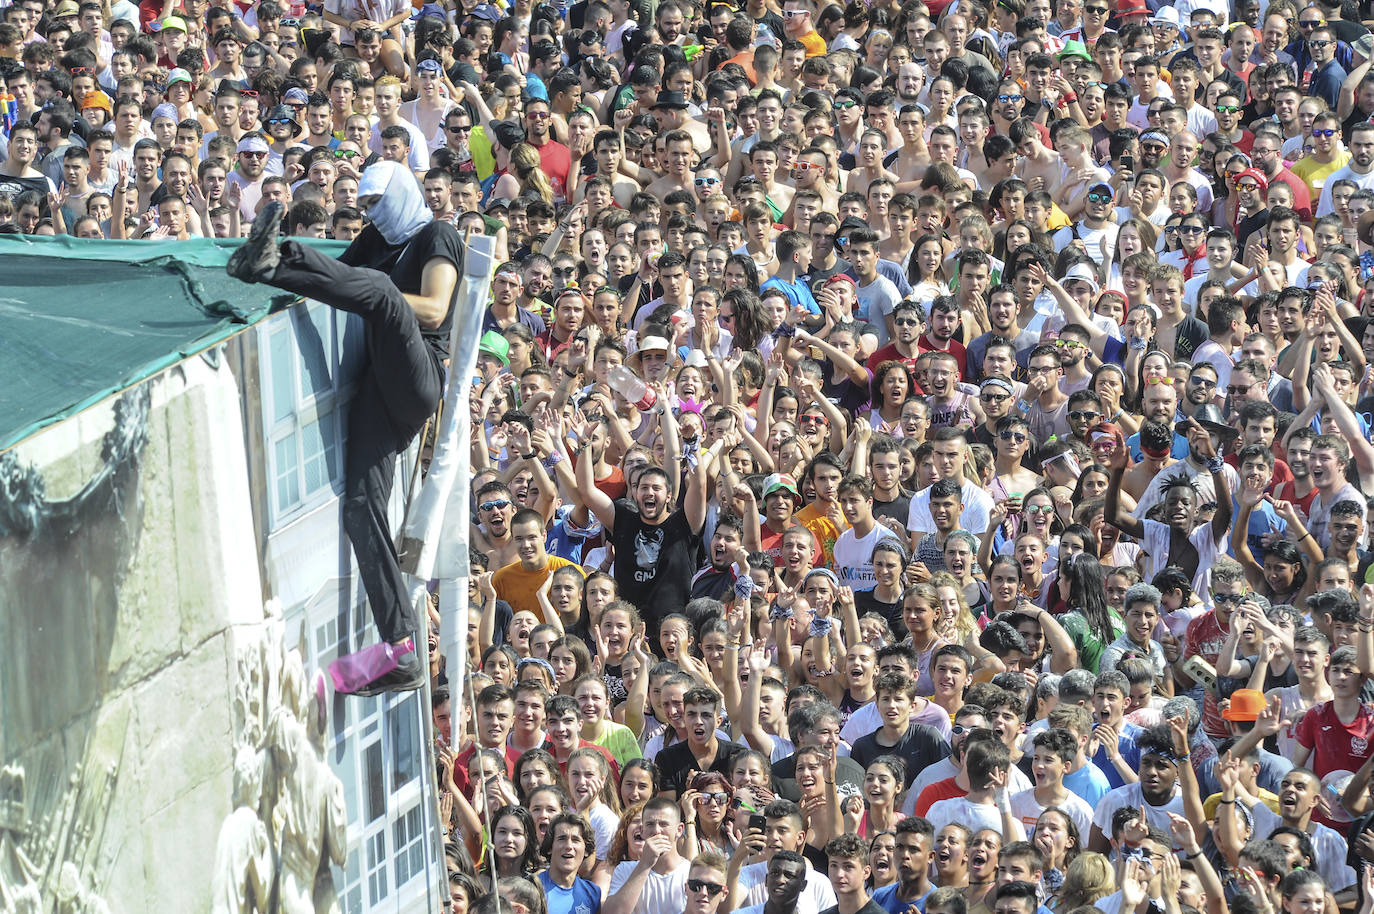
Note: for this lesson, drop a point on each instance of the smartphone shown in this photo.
(757, 821)
(1128, 163)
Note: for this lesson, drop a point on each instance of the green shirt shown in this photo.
(1088, 645)
(619, 740)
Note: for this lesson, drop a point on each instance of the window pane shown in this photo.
(405, 738)
(287, 474)
(281, 358)
(376, 783)
(316, 346)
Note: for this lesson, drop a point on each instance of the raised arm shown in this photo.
(1064, 656)
(1251, 491)
(1349, 424)
(1192, 798)
(586, 492)
(1115, 515)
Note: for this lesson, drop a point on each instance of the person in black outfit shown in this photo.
(400, 275)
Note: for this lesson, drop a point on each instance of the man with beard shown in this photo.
(1164, 769)
(554, 158)
(787, 877)
(906, 341)
(492, 533)
(507, 293)
(1301, 491)
(1360, 169)
(656, 545)
(1007, 106)
(914, 850)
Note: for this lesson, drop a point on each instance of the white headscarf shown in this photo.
(401, 211)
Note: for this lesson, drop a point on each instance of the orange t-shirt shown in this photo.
(520, 587)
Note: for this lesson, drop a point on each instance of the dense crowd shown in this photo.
(921, 451)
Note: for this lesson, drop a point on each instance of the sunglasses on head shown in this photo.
(248, 93)
(346, 154)
(83, 71)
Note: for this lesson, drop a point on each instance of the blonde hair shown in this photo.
(1088, 879)
(525, 162)
(964, 625)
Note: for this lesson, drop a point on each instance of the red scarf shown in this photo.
(1200, 253)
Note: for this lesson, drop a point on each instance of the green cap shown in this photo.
(1075, 49)
(495, 345)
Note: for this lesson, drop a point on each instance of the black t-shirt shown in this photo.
(872, 907)
(677, 762)
(405, 264)
(865, 601)
(921, 747)
(899, 509)
(13, 187)
(654, 563)
(847, 771)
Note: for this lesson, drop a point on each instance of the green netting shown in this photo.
(81, 319)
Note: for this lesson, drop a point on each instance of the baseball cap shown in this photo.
(495, 345)
(1246, 704)
(780, 482)
(429, 65)
(69, 8)
(98, 99)
(485, 11)
(1081, 272)
(168, 22)
(178, 75)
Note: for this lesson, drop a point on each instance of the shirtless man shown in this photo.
(1041, 167)
(492, 533)
(1156, 442)
(913, 158)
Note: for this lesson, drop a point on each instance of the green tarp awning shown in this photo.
(80, 319)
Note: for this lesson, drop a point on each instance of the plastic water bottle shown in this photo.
(9, 108)
(624, 382)
(297, 8)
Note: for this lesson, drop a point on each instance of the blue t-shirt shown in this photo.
(1126, 743)
(798, 293)
(1263, 518)
(1089, 783)
(583, 898)
(886, 898)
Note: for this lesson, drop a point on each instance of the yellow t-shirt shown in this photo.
(1314, 173)
(814, 43)
(520, 587)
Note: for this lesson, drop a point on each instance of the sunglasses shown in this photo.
(290, 22)
(1040, 509)
(459, 129)
(705, 182)
(1018, 437)
(1308, 24)
(1246, 185)
(1235, 598)
(1320, 43)
(253, 155)
(493, 505)
(1095, 10)
(83, 71)
(813, 420)
(845, 105)
(278, 121)
(248, 93)
(792, 14)
(1152, 147)
(994, 398)
(1228, 109)
(1083, 415)
(1158, 379)
(346, 154)
(1099, 198)
(1325, 131)
(538, 115)
(1191, 229)
(1010, 98)
(1201, 382)
(715, 798)
(712, 889)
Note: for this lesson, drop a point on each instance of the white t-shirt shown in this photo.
(1328, 847)
(419, 145)
(1156, 544)
(944, 768)
(1212, 353)
(1130, 795)
(604, 824)
(977, 816)
(753, 882)
(663, 892)
(1027, 808)
(974, 517)
(854, 556)
(876, 301)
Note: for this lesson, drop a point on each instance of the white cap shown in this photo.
(1081, 272)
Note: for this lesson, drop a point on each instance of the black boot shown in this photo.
(257, 258)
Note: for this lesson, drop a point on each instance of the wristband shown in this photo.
(786, 330)
(776, 612)
(530, 456)
(1215, 464)
(553, 460)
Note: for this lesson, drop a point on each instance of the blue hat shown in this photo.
(485, 11)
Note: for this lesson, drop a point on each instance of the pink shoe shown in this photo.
(378, 668)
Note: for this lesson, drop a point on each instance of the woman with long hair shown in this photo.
(639, 782)
(1003, 588)
(1057, 838)
(885, 597)
(1090, 622)
(593, 790)
(881, 801)
(514, 847)
(892, 385)
(748, 321)
(926, 269)
(741, 273)
(535, 768)
(544, 803)
(961, 550)
(705, 815)
(570, 660)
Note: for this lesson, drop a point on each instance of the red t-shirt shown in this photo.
(940, 790)
(1335, 746)
(890, 353)
(555, 161)
(1288, 493)
(956, 349)
(1205, 636)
